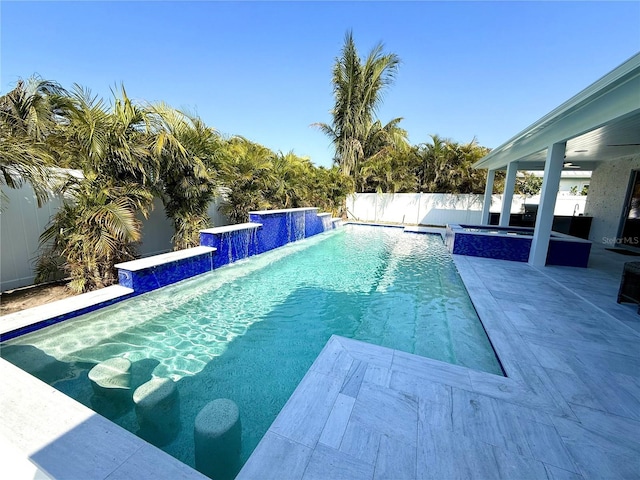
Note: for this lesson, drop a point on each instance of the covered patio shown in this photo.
(599, 130)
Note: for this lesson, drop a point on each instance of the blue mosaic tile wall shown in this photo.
(492, 246)
(327, 223)
(152, 278)
(279, 228)
(563, 250)
(313, 224)
(568, 254)
(231, 246)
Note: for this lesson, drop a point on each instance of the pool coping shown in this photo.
(282, 210)
(459, 228)
(32, 317)
(162, 259)
(233, 227)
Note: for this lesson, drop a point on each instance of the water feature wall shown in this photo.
(232, 242)
(268, 229)
(158, 271)
(280, 227)
(325, 221)
(219, 246)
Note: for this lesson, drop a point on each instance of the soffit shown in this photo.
(601, 123)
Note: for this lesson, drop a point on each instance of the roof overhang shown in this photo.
(600, 123)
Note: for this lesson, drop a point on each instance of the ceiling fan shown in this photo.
(569, 165)
(624, 145)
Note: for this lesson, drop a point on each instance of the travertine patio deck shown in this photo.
(568, 409)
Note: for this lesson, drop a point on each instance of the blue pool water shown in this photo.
(250, 331)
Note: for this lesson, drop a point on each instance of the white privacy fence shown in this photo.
(443, 208)
(22, 222)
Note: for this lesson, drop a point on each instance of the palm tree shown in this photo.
(445, 166)
(290, 181)
(328, 190)
(111, 142)
(188, 152)
(437, 160)
(28, 115)
(389, 173)
(30, 109)
(384, 145)
(97, 225)
(93, 232)
(357, 89)
(246, 169)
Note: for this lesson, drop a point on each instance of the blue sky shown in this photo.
(263, 69)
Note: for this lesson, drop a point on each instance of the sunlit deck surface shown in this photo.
(568, 409)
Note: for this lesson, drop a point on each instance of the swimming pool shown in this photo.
(251, 330)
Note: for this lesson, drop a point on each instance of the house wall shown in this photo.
(22, 222)
(566, 184)
(607, 193)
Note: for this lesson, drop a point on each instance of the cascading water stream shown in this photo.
(240, 241)
(299, 226)
(225, 242)
(289, 227)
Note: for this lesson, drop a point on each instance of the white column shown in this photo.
(507, 195)
(548, 195)
(488, 190)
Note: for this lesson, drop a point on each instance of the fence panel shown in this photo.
(442, 208)
(21, 223)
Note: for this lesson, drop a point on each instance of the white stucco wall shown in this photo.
(415, 208)
(607, 193)
(566, 184)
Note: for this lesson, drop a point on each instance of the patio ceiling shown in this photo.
(601, 123)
